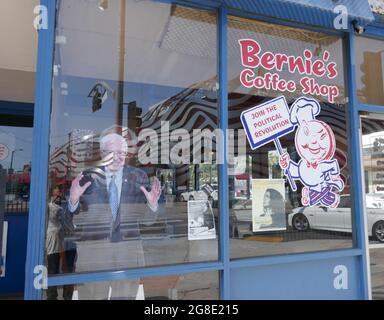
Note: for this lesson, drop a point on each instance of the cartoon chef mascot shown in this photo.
(315, 143)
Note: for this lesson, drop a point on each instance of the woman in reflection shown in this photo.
(61, 250)
(274, 206)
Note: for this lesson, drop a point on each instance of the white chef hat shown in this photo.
(304, 109)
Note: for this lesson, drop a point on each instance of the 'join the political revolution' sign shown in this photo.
(267, 122)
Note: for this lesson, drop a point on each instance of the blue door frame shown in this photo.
(356, 257)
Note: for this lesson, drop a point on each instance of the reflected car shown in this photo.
(337, 219)
(240, 223)
(207, 192)
(374, 200)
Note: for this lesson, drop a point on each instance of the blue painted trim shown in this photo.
(370, 108)
(134, 273)
(284, 22)
(374, 32)
(379, 19)
(294, 258)
(267, 15)
(311, 12)
(211, 4)
(356, 166)
(40, 150)
(198, 4)
(376, 28)
(223, 168)
(16, 108)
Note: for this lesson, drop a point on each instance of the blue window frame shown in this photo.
(374, 30)
(35, 248)
(40, 140)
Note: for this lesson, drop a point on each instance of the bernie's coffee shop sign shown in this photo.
(252, 56)
(317, 169)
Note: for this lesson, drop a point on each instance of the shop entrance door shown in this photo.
(372, 141)
(15, 170)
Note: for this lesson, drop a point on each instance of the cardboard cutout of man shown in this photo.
(116, 200)
(117, 191)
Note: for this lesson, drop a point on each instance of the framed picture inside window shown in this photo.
(201, 222)
(268, 205)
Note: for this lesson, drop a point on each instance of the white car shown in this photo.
(337, 219)
(374, 200)
(207, 192)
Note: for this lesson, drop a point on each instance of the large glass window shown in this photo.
(289, 183)
(373, 161)
(372, 140)
(370, 70)
(131, 181)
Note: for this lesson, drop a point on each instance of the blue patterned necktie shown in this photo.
(113, 197)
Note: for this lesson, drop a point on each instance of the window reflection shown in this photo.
(15, 159)
(192, 286)
(266, 216)
(15, 178)
(122, 134)
(372, 138)
(370, 70)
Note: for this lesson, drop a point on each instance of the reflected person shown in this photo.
(61, 252)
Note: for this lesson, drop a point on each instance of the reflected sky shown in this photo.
(73, 109)
(16, 138)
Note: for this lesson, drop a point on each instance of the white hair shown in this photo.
(112, 137)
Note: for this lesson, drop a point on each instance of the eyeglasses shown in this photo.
(120, 154)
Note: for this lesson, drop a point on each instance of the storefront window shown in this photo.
(373, 162)
(370, 70)
(130, 184)
(15, 161)
(289, 175)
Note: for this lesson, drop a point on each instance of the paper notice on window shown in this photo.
(201, 222)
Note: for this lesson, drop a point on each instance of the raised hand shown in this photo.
(284, 160)
(77, 190)
(153, 196)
